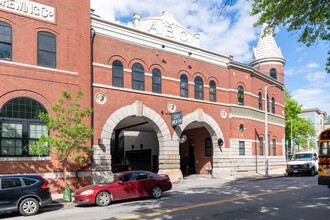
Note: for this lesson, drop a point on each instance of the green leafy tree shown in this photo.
(302, 129)
(309, 19)
(69, 136)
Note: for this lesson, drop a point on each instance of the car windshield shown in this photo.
(302, 157)
(110, 179)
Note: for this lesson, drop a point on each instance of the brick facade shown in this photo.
(22, 77)
(117, 108)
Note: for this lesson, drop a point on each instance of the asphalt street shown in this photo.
(296, 197)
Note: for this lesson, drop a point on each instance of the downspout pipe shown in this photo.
(92, 36)
(92, 93)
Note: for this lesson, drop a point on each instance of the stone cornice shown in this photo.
(255, 73)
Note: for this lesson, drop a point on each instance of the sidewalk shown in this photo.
(202, 180)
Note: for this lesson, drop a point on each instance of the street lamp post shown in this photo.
(266, 130)
(291, 143)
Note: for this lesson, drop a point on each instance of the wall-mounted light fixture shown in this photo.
(163, 46)
(132, 146)
(189, 53)
(141, 146)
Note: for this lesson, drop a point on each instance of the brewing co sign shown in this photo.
(29, 8)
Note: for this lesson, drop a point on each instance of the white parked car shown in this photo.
(304, 162)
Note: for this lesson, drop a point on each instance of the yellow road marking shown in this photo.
(212, 203)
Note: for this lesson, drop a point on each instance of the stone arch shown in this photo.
(102, 153)
(215, 132)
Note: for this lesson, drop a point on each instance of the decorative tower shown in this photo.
(267, 57)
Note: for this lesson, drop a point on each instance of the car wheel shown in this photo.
(156, 192)
(312, 173)
(29, 206)
(103, 198)
(290, 174)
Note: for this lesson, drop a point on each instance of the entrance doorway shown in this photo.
(134, 146)
(196, 153)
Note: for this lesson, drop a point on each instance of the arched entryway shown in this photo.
(140, 115)
(201, 129)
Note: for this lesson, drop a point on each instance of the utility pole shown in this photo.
(291, 143)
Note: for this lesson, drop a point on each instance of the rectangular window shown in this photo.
(46, 49)
(35, 132)
(5, 41)
(208, 147)
(11, 138)
(261, 146)
(274, 147)
(241, 148)
(184, 88)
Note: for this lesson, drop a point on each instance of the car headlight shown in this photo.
(87, 192)
(306, 165)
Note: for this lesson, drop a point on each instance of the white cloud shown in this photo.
(228, 35)
(312, 65)
(312, 98)
(316, 76)
(300, 60)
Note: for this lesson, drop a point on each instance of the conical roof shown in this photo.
(266, 47)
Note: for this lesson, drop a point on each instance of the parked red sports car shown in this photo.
(123, 185)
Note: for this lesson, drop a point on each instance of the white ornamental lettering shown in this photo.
(184, 36)
(153, 28)
(30, 8)
(169, 31)
(11, 4)
(36, 10)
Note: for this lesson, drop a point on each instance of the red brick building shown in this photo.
(143, 73)
(44, 48)
(141, 76)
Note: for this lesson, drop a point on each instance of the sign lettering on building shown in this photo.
(29, 8)
(166, 26)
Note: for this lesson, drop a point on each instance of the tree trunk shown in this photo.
(65, 162)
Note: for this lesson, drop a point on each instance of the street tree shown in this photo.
(302, 129)
(309, 19)
(69, 132)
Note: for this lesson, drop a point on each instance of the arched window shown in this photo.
(199, 88)
(117, 74)
(273, 73)
(183, 85)
(260, 101)
(240, 95)
(5, 41)
(213, 91)
(138, 77)
(20, 126)
(156, 81)
(267, 103)
(273, 105)
(46, 49)
(274, 147)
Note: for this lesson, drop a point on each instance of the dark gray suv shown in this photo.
(25, 194)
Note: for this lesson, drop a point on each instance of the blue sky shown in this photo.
(233, 34)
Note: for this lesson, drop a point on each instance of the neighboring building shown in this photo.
(326, 124)
(317, 118)
(44, 48)
(141, 76)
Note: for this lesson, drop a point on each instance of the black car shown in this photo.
(24, 194)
